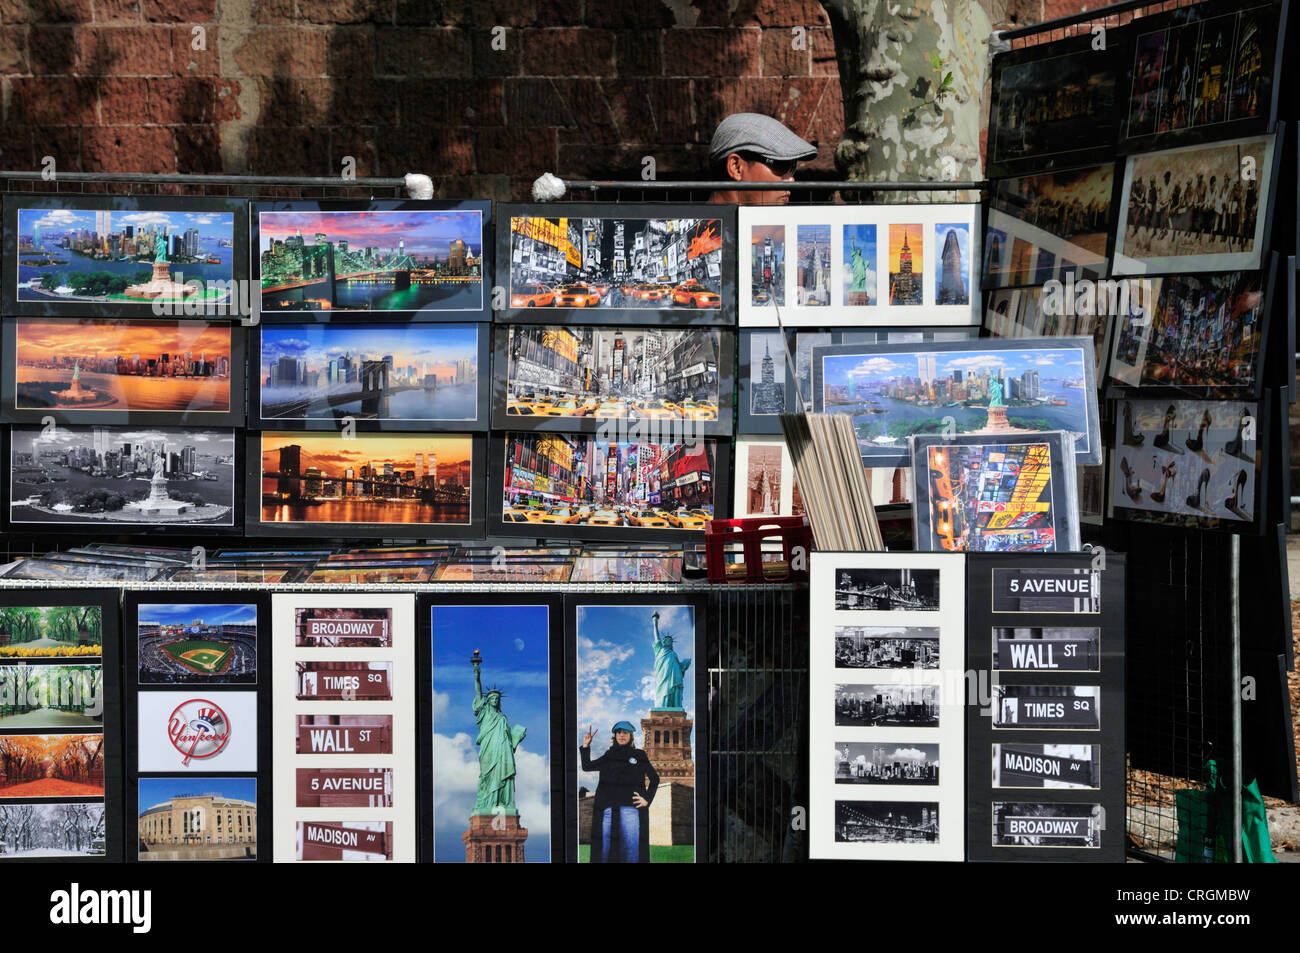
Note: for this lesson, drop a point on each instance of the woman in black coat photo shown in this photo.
(620, 822)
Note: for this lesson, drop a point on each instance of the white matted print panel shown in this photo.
(877, 691)
(859, 265)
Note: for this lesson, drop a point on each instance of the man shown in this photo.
(751, 147)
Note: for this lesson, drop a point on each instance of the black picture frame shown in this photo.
(114, 757)
(1087, 449)
(751, 393)
(132, 603)
(724, 349)
(1087, 134)
(18, 437)
(233, 416)
(573, 731)
(1107, 741)
(1156, 39)
(232, 306)
(499, 525)
(273, 313)
(376, 424)
(515, 308)
(472, 528)
(426, 605)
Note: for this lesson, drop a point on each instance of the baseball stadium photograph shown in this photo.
(202, 643)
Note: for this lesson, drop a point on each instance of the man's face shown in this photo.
(751, 169)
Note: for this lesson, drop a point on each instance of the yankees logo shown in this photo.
(198, 728)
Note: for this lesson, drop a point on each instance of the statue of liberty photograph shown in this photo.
(670, 672)
(497, 742)
(160, 247)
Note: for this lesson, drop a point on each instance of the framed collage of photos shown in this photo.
(636, 723)
(392, 259)
(994, 388)
(887, 734)
(875, 265)
(125, 256)
(198, 713)
(344, 727)
(580, 378)
(60, 727)
(138, 371)
(617, 264)
(589, 487)
(491, 761)
(317, 484)
(1045, 764)
(378, 377)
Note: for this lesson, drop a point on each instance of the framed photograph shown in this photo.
(1046, 649)
(316, 484)
(1208, 71)
(995, 494)
(1196, 208)
(381, 377)
(1059, 707)
(1005, 387)
(1047, 766)
(886, 739)
(345, 780)
(392, 258)
(1199, 336)
(618, 264)
(1194, 463)
(764, 480)
(1041, 312)
(1048, 226)
(1023, 824)
(53, 570)
(60, 734)
(125, 256)
(765, 386)
(490, 746)
(101, 479)
(131, 371)
(875, 265)
(584, 487)
(672, 381)
(635, 790)
(208, 652)
(1053, 104)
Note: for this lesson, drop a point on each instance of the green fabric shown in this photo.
(1205, 822)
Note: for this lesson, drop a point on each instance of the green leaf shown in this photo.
(947, 81)
(936, 61)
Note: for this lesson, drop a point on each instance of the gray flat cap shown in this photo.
(763, 135)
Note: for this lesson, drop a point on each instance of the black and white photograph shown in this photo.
(577, 377)
(1044, 649)
(601, 263)
(766, 373)
(875, 762)
(1046, 766)
(882, 646)
(42, 830)
(1075, 591)
(1047, 706)
(1046, 825)
(1195, 208)
(145, 478)
(887, 589)
(889, 705)
(886, 822)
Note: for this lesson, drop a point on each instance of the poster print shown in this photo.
(1046, 649)
(125, 256)
(673, 381)
(197, 643)
(1046, 766)
(1023, 824)
(1061, 707)
(310, 483)
(150, 478)
(489, 768)
(618, 264)
(1199, 335)
(390, 258)
(764, 482)
(1009, 387)
(1188, 463)
(767, 265)
(175, 823)
(868, 265)
(636, 793)
(1195, 208)
(887, 664)
(344, 786)
(379, 376)
(82, 370)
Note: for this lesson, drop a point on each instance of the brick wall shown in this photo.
(584, 88)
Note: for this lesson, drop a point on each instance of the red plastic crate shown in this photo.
(793, 533)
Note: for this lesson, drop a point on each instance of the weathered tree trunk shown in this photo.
(912, 74)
